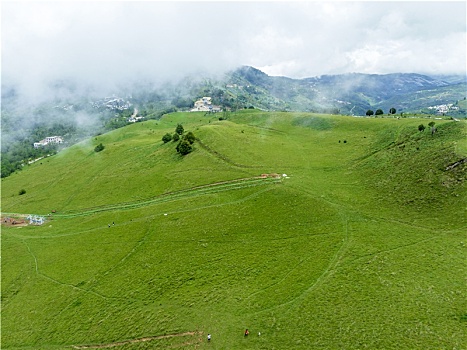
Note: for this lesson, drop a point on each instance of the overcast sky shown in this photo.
(108, 41)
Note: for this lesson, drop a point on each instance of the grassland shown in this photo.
(361, 245)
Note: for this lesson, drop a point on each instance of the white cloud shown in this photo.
(411, 55)
(110, 42)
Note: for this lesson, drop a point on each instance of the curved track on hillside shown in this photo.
(223, 157)
(216, 187)
(141, 340)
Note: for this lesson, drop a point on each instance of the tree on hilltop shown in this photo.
(184, 147)
(369, 112)
(179, 129)
(379, 112)
(392, 110)
(99, 147)
(190, 137)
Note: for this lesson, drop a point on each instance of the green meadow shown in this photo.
(358, 242)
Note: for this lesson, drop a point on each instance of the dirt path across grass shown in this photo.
(221, 186)
(138, 340)
(177, 195)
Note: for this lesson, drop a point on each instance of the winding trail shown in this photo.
(182, 194)
(138, 340)
(171, 196)
(326, 274)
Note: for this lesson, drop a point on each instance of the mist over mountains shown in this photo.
(352, 93)
(355, 93)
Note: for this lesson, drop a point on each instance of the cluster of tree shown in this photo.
(218, 96)
(181, 102)
(380, 112)
(18, 152)
(151, 111)
(185, 141)
(431, 124)
(115, 120)
(228, 100)
(116, 123)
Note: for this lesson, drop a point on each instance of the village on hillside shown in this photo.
(204, 104)
(446, 108)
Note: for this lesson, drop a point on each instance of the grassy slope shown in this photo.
(361, 247)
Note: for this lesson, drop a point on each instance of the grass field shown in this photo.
(358, 243)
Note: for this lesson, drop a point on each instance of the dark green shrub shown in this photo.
(184, 147)
(166, 138)
(190, 137)
(179, 129)
(99, 147)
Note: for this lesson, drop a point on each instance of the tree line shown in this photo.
(370, 112)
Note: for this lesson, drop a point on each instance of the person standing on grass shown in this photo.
(209, 337)
(246, 332)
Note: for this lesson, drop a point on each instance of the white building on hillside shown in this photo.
(47, 140)
(203, 104)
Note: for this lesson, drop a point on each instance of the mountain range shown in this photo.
(352, 94)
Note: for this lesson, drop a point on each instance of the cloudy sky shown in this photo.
(107, 42)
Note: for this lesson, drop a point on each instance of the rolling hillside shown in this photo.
(310, 230)
(77, 114)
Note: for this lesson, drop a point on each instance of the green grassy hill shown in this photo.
(358, 242)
